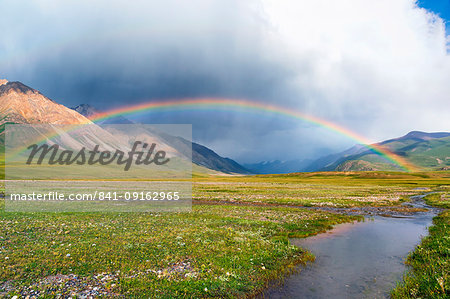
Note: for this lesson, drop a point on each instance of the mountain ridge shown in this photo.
(201, 155)
(22, 104)
(90, 112)
(427, 151)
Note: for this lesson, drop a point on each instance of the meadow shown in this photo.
(234, 242)
(211, 251)
(429, 276)
(325, 189)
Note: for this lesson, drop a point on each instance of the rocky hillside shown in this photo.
(22, 104)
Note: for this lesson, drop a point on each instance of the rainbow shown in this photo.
(241, 105)
(235, 104)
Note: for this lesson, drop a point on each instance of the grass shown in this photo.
(430, 264)
(430, 261)
(319, 189)
(232, 244)
(438, 199)
(213, 251)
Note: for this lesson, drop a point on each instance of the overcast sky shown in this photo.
(380, 68)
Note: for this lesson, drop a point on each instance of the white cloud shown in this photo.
(383, 61)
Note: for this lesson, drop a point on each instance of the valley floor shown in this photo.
(232, 244)
(429, 276)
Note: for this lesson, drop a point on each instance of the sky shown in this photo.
(379, 68)
(439, 7)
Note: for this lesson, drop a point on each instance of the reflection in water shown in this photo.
(362, 260)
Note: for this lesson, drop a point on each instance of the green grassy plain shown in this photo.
(233, 243)
(429, 276)
(213, 251)
(333, 189)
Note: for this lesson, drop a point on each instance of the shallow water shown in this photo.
(360, 260)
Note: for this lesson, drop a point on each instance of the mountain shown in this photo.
(22, 104)
(418, 136)
(326, 162)
(201, 155)
(90, 112)
(427, 151)
(277, 166)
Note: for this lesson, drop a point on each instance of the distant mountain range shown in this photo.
(277, 166)
(429, 151)
(24, 105)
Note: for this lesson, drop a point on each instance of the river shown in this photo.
(357, 260)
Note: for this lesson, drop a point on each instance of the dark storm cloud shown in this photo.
(155, 51)
(143, 50)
